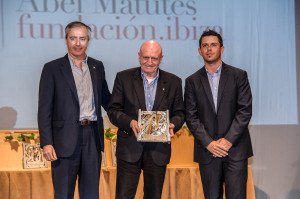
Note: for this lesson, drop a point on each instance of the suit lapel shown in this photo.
(222, 83)
(139, 88)
(67, 72)
(206, 86)
(160, 90)
(94, 78)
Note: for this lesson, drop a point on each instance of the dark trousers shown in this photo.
(224, 170)
(84, 163)
(128, 175)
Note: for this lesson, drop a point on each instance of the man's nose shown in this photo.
(77, 42)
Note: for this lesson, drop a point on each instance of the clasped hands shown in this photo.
(219, 148)
(135, 128)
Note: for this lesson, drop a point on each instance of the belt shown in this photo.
(86, 122)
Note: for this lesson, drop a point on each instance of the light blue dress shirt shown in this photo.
(214, 84)
(150, 87)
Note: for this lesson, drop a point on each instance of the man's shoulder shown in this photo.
(93, 60)
(129, 75)
(53, 66)
(232, 69)
(196, 74)
(130, 72)
(56, 61)
(168, 75)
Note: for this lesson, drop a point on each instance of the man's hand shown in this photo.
(135, 127)
(225, 143)
(171, 127)
(49, 153)
(217, 149)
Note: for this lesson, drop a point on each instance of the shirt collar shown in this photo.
(72, 60)
(144, 77)
(218, 72)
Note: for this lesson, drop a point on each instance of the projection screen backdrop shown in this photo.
(259, 37)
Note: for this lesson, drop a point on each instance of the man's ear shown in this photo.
(222, 49)
(199, 50)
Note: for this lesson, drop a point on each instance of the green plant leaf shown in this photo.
(114, 137)
(29, 136)
(21, 138)
(9, 137)
(109, 135)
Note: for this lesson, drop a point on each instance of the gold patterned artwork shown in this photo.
(33, 156)
(113, 145)
(103, 161)
(154, 126)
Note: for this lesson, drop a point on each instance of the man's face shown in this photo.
(77, 42)
(210, 49)
(150, 57)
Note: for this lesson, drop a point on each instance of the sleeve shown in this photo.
(244, 109)
(105, 95)
(116, 112)
(45, 106)
(177, 116)
(192, 120)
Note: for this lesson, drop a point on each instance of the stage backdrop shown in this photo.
(259, 37)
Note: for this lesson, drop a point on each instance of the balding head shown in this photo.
(153, 45)
(150, 57)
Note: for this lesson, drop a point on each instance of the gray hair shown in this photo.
(77, 24)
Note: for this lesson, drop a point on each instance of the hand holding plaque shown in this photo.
(154, 126)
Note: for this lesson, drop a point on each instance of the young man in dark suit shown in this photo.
(147, 88)
(72, 90)
(218, 106)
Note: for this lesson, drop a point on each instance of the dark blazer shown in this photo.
(234, 111)
(58, 106)
(128, 97)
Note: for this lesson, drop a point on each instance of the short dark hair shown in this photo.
(77, 24)
(211, 33)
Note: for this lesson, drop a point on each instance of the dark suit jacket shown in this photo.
(58, 107)
(128, 97)
(234, 111)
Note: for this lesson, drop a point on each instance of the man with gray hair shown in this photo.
(72, 90)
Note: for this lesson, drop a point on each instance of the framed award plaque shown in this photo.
(103, 161)
(33, 156)
(154, 126)
(113, 145)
